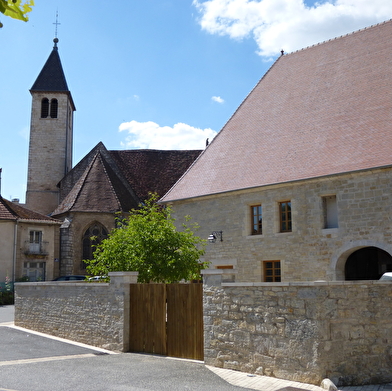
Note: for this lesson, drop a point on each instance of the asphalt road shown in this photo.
(31, 362)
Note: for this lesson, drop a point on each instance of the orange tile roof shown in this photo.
(12, 211)
(324, 110)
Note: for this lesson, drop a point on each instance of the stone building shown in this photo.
(86, 198)
(29, 243)
(107, 183)
(51, 130)
(297, 184)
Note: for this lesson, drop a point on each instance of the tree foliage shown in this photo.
(148, 242)
(17, 9)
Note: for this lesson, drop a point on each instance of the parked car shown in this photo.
(386, 277)
(98, 278)
(70, 278)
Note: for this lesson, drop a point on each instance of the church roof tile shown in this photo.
(110, 181)
(150, 170)
(99, 189)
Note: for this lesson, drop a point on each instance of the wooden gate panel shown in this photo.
(148, 318)
(167, 319)
(185, 336)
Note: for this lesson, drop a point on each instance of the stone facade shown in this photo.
(310, 251)
(50, 152)
(301, 332)
(44, 263)
(72, 232)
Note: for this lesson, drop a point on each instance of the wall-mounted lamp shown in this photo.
(214, 235)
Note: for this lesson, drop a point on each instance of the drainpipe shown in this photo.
(14, 255)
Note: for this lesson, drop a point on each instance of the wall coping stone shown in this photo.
(307, 283)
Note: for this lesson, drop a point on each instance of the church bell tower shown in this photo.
(51, 132)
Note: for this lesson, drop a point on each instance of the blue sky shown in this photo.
(161, 74)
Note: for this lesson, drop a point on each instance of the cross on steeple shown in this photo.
(56, 23)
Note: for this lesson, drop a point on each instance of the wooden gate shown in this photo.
(167, 319)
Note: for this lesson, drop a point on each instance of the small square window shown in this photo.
(257, 219)
(272, 271)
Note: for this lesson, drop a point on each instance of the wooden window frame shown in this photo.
(256, 213)
(272, 271)
(285, 219)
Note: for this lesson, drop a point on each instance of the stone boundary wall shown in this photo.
(93, 313)
(300, 331)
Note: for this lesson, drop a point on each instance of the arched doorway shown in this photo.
(368, 263)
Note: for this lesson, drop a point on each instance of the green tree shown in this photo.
(16, 9)
(148, 242)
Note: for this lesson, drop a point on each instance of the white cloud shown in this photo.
(289, 24)
(149, 135)
(218, 99)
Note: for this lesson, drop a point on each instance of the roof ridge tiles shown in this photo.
(339, 37)
(110, 181)
(69, 201)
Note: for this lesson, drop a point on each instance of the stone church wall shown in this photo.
(310, 252)
(50, 153)
(71, 238)
(301, 332)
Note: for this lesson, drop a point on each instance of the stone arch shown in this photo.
(339, 259)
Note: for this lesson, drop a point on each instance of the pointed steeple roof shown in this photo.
(52, 77)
